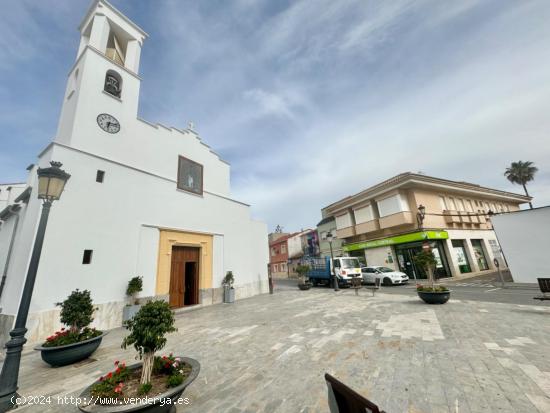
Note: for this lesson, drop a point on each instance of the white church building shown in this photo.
(143, 200)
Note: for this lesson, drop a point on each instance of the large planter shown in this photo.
(129, 311)
(304, 287)
(434, 297)
(155, 404)
(70, 353)
(228, 295)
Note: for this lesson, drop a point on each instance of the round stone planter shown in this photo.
(434, 297)
(165, 402)
(304, 287)
(70, 353)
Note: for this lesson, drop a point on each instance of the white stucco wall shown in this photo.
(524, 240)
(120, 218)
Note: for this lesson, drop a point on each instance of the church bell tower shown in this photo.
(104, 78)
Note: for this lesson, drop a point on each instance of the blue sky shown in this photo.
(309, 100)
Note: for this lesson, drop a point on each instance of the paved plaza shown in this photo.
(269, 354)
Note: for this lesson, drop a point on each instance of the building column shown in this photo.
(133, 52)
(451, 258)
(100, 33)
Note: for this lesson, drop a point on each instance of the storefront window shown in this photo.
(406, 252)
(461, 257)
(480, 255)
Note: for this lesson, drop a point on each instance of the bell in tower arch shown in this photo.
(113, 83)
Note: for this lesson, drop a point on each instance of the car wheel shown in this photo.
(387, 281)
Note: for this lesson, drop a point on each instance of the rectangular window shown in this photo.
(283, 248)
(460, 255)
(452, 203)
(477, 246)
(275, 267)
(190, 174)
(469, 206)
(363, 214)
(99, 176)
(392, 205)
(443, 203)
(87, 256)
(273, 251)
(343, 221)
(460, 204)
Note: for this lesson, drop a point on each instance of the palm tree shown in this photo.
(520, 173)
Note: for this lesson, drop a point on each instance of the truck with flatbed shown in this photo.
(320, 270)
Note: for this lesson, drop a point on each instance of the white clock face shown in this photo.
(108, 123)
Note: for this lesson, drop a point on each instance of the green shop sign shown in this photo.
(399, 239)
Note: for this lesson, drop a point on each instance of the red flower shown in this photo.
(101, 378)
(117, 371)
(116, 363)
(109, 375)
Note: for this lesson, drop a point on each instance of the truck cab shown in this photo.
(346, 268)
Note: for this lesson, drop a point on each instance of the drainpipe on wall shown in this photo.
(13, 210)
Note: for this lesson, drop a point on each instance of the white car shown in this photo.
(387, 275)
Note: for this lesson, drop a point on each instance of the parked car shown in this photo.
(387, 275)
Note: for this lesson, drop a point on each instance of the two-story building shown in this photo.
(143, 199)
(388, 223)
(278, 254)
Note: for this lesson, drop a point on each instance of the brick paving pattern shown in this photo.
(269, 354)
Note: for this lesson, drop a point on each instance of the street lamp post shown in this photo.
(51, 182)
(329, 237)
(420, 215)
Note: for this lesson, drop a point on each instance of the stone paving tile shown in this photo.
(269, 354)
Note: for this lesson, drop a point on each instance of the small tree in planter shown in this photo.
(77, 310)
(432, 294)
(77, 314)
(151, 386)
(147, 333)
(228, 290)
(135, 285)
(302, 271)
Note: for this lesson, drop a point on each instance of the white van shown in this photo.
(346, 268)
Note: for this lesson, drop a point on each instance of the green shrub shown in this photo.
(135, 285)
(65, 337)
(302, 271)
(426, 260)
(174, 380)
(144, 389)
(77, 310)
(147, 330)
(228, 280)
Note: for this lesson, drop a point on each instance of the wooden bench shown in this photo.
(544, 285)
(342, 399)
(374, 287)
